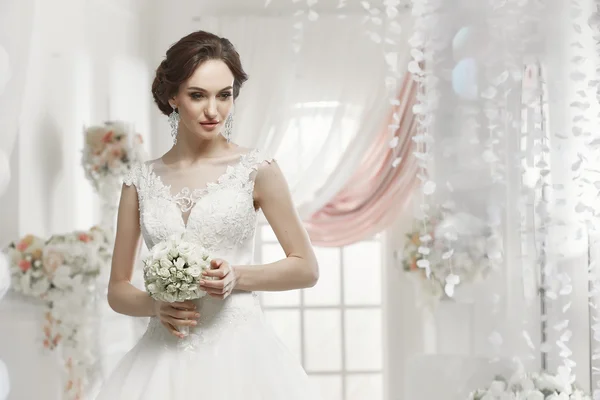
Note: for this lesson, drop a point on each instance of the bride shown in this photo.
(209, 190)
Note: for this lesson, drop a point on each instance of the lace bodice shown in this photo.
(211, 205)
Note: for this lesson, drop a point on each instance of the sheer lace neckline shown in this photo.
(186, 198)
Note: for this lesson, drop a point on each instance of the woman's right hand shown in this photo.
(172, 315)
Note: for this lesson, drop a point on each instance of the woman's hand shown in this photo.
(225, 280)
(172, 315)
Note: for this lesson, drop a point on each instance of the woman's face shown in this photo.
(205, 100)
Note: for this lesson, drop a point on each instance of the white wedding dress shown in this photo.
(232, 354)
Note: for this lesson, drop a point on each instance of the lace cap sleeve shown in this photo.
(257, 158)
(132, 176)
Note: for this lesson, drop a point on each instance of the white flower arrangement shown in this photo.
(62, 272)
(449, 250)
(173, 270)
(28, 275)
(109, 152)
(535, 386)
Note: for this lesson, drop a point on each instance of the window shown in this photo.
(314, 129)
(335, 328)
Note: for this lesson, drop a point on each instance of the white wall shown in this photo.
(87, 65)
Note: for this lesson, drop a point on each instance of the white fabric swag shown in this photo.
(315, 110)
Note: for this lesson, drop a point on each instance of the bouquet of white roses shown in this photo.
(173, 270)
(536, 386)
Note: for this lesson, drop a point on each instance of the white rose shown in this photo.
(195, 271)
(169, 297)
(160, 250)
(164, 272)
(165, 263)
(171, 288)
(535, 395)
(151, 288)
(173, 252)
(544, 382)
(153, 269)
(185, 248)
(180, 263)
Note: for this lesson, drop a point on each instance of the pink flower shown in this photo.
(107, 138)
(24, 265)
(22, 246)
(25, 243)
(84, 237)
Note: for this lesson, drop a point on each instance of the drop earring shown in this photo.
(228, 128)
(174, 122)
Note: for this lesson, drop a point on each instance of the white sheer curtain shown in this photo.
(16, 23)
(315, 110)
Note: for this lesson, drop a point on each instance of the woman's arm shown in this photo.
(299, 269)
(123, 297)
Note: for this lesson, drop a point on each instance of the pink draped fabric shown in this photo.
(377, 193)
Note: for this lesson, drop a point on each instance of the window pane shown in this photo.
(363, 332)
(322, 337)
(286, 323)
(361, 387)
(327, 290)
(362, 273)
(329, 387)
(272, 253)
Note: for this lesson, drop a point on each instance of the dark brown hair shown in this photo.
(185, 56)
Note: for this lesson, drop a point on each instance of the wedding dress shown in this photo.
(232, 354)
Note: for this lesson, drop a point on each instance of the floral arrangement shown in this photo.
(173, 270)
(62, 272)
(447, 250)
(537, 386)
(28, 275)
(109, 152)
